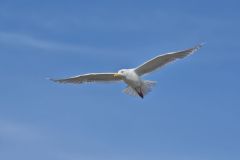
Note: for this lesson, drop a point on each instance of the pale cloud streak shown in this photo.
(22, 40)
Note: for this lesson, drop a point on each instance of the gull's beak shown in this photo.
(117, 75)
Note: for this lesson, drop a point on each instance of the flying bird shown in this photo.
(136, 86)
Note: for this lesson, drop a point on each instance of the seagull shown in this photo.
(136, 86)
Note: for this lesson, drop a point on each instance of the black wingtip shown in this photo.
(200, 45)
(196, 48)
(51, 79)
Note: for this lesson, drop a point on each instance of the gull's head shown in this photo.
(121, 73)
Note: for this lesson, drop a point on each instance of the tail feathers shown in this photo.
(130, 91)
(147, 86)
(140, 91)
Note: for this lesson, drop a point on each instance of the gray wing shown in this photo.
(161, 60)
(92, 77)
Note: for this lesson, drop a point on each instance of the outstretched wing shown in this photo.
(161, 60)
(92, 77)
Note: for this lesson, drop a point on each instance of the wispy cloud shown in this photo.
(22, 40)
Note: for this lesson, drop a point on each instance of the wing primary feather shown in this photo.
(88, 78)
(164, 59)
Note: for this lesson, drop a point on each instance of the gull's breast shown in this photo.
(133, 79)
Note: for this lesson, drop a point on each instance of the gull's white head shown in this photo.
(121, 73)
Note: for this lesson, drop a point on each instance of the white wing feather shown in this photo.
(161, 60)
(91, 77)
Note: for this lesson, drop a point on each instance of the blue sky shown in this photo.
(192, 113)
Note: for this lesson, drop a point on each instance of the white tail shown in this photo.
(145, 88)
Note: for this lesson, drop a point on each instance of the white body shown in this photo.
(136, 86)
(132, 79)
